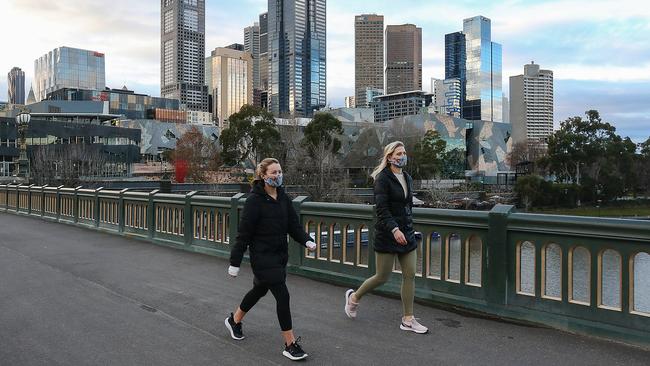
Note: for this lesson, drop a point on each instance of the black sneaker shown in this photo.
(294, 352)
(234, 328)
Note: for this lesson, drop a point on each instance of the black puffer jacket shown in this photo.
(263, 228)
(393, 210)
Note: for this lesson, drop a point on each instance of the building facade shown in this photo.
(66, 67)
(252, 46)
(391, 106)
(263, 94)
(16, 86)
(403, 58)
(446, 96)
(531, 104)
(455, 61)
(368, 56)
(120, 101)
(297, 57)
(483, 95)
(350, 102)
(182, 52)
(231, 85)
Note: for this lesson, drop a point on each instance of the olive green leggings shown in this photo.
(384, 268)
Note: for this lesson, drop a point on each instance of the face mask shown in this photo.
(274, 182)
(401, 162)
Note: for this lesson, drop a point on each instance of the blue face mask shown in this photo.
(401, 162)
(274, 182)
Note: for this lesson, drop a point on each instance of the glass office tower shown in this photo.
(66, 67)
(16, 86)
(297, 54)
(483, 96)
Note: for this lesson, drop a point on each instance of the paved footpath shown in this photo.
(72, 296)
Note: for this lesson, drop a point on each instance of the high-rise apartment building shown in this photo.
(403, 58)
(182, 52)
(455, 60)
(531, 104)
(297, 56)
(368, 56)
(16, 86)
(231, 83)
(483, 72)
(66, 67)
(252, 46)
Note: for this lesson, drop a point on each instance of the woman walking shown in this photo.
(394, 235)
(267, 218)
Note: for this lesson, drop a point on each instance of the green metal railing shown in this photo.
(586, 275)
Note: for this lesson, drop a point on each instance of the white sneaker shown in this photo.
(350, 307)
(413, 326)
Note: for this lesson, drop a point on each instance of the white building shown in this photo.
(446, 96)
(531, 104)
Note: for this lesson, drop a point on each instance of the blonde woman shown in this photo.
(267, 218)
(394, 235)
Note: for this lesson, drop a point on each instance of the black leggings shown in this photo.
(281, 294)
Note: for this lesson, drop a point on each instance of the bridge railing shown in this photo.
(587, 275)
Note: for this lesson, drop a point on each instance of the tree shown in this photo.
(526, 151)
(252, 135)
(453, 166)
(312, 160)
(590, 153)
(321, 131)
(426, 158)
(199, 152)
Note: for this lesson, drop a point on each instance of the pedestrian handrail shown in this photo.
(587, 275)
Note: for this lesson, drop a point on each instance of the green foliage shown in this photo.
(320, 132)
(534, 191)
(588, 152)
(453, 166)
(426, 158)
(252, 135)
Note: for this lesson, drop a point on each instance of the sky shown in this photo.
(599, 51)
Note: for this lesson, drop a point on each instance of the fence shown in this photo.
(586, 275)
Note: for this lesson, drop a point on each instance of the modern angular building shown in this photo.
(368, 56)
(16, 86)
(231, 83)
(182, 52)
(403, 58)
(483, 72)
(297, 56)
(66, 67)
(531, 104)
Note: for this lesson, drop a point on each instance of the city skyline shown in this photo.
(597, 50)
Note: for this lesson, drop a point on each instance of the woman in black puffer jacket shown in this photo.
(267, 218)
(394, 234)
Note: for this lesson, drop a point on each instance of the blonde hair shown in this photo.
(261, 168)
(383, 162)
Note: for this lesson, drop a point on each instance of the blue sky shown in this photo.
(599, 51)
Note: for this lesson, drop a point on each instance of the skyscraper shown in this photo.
(252, 46)
(531, 104)
(16, 83)
(66, 67)
(483, 72)
(297, 54)
(455, 63)
(182, 52)
(368, 56)
(264, 61)
(231, 83)
(403, 58)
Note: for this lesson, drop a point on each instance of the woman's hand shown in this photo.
(399, 237)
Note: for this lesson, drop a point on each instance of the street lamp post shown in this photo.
(22, 123)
